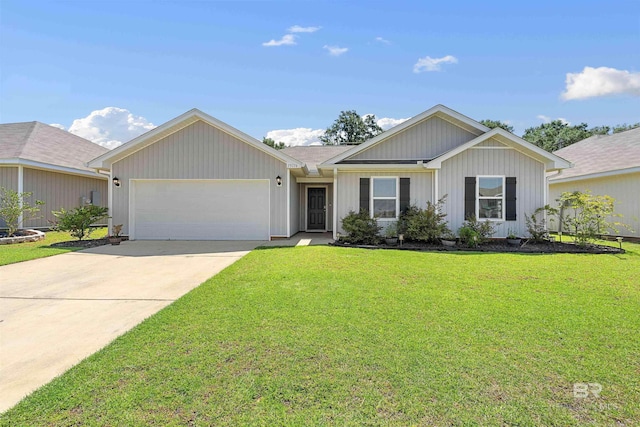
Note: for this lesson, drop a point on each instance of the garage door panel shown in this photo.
(201, 210)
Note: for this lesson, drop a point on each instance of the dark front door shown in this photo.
(316, 208)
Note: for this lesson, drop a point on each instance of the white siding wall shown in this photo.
(201, 151)
(529, 175)
(8, 180)
(59, 190)
(349, 189)
(425, 140)
(624, 188)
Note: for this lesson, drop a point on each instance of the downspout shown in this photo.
(20, 191)
(335, 203)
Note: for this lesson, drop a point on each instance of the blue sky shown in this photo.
(61, 61)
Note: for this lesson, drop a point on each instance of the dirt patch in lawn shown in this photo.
(499, 246)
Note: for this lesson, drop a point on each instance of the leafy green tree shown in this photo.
(351, 128)
(271, 143)
(15, 209)
(587, 216)
(492, 124)
(624, 126)
(558, 134)
(78, 221)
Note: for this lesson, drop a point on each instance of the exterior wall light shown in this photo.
(116, 181)
(278, 181)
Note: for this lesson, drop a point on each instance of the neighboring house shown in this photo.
(605, 165)
(196, 177)
(50, 163)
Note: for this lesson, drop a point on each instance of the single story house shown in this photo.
(51, 164)
(196, 177)
(605, 165)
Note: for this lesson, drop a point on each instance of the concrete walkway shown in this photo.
(56, 311)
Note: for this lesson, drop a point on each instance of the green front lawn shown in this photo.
(10, 254)
(335, 336)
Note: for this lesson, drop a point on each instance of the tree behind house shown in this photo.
(492, 124)
(351, 128)
(273, 144)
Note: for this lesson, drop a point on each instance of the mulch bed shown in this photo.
(526, 247)
(90, 243)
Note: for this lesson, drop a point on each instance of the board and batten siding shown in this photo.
(420, 190)
(201, 151)
(425, 140)
(530, 187)
(625, 189)
(60, 190)
(8, 180)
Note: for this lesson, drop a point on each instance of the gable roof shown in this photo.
(105, 161)
(439, 111)
(552, 162)
(602, 154)
(315, 154)
(40, 145)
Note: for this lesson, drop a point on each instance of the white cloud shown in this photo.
(297, 136)
(383, 40)
(286, 40)
(335, 50)
(388, 122)
(110, 127)
(547, 119)
(433, 64)
(299, 29)
(601, 81)
(58, 125)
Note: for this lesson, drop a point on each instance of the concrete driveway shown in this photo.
(56, 311)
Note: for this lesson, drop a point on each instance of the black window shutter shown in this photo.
(364, 194)
(469, 196)
(510, 198)
(405, 194)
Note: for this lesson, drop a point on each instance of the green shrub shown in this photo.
(587, 216)
(424, 225)
(474, 232)
(13, 205)
(361, 228)
(78, 221)
(537, 225)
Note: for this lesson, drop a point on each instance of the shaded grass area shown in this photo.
(324, 335)
(10, 254)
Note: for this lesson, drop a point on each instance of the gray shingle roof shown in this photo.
(42, 143)
(602, 153)
(312, 155)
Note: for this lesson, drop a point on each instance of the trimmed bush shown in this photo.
(361, 228)
(78, 221)
(424, 225)
(474, 232)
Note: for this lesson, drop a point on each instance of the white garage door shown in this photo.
(200, 210)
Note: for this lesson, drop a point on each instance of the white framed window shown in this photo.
(490, 192)
(385, 200)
